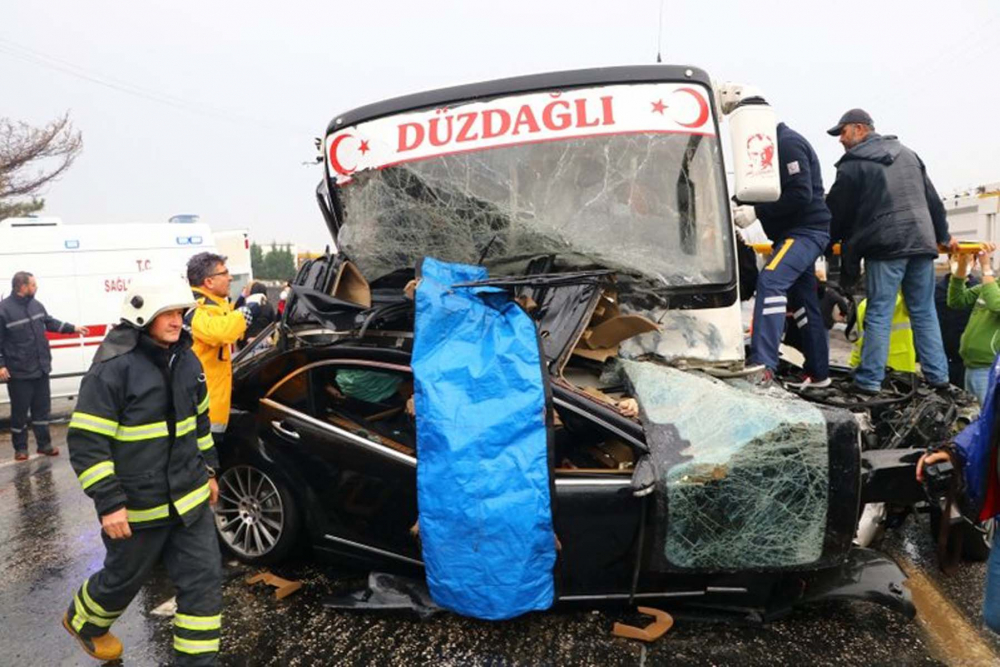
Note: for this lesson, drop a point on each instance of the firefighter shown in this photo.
(216, 326)
(799, 226)
(140, 444)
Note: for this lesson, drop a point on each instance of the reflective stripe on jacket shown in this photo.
(24, 350)
(902, 353)
(215, 326)
(140, 436)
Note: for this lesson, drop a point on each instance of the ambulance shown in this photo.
(83, 272)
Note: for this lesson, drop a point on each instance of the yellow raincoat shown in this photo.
(215, 326)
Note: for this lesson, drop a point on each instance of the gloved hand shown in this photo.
(257, 299)
(744, 216)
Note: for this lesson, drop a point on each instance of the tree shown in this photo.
(31, 158)
(257, 261)
(277, 264)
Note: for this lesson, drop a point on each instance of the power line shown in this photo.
(40, 59)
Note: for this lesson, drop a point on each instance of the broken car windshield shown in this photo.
(650, 204)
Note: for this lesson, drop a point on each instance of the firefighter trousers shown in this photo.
(30, 396)
(191, 556)
(788, 284)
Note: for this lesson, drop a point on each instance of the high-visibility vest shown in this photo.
(902, 354)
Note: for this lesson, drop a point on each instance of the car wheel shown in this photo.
(256, 515)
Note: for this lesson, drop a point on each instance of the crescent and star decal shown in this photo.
(334, 162)
(702, 108)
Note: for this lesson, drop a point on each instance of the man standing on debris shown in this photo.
(26, 362)
(140, 443)
(216, 327)
(798, 225)
(887, 212)
(978, 344)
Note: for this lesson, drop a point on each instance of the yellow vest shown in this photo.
(902, 354)
(215, 326)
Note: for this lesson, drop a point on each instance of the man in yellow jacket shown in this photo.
(902, 353)
(215, 326)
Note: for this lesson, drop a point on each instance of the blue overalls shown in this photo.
(799, 226)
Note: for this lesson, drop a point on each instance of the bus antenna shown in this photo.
(659, 36)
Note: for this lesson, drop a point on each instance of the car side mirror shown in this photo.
(643, 477)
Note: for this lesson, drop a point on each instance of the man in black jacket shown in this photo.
(887, 212)
(798, 225)
(140, 442)
(953, 322)
(26, 362)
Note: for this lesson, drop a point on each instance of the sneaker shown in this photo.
(864, 391)
(52, 451)
(20, 456)
(947, 389)
(808, 382)
(763, 379)
(103, 647)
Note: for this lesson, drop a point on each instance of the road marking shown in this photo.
(13, 462)
(953, 638)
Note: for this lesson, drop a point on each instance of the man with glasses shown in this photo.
(215, 326)
(886, 211)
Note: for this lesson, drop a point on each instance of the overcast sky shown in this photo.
(226, 97)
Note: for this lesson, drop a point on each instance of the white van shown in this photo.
(234, 244)
(83, 272)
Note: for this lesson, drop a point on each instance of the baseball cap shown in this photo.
(853, 116)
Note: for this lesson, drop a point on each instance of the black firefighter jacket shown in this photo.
(24, 350)
(140, 436)
(884, 206)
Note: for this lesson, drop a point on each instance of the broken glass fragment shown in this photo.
(743, 474)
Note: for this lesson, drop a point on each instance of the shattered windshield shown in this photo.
(643, 199)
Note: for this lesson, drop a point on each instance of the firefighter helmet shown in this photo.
(153, 292)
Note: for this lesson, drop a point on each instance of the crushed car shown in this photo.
(522, 374)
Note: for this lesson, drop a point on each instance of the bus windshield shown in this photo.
(625, 177)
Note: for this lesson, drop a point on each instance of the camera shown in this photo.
(937, 479)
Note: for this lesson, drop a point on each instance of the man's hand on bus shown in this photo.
(83, 331)
(213, 491)
(4, 374)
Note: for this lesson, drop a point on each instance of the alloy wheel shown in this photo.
(249, 515)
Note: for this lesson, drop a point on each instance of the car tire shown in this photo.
(257, 518)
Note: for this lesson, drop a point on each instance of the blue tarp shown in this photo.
(482, 448)
(975, 447)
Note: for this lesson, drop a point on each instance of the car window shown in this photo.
(373, 403)
(293, 392)
(582, 444)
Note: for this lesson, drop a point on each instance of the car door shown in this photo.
(344, 426)
(596, 514)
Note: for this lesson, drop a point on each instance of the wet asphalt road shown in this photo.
(49, 543)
